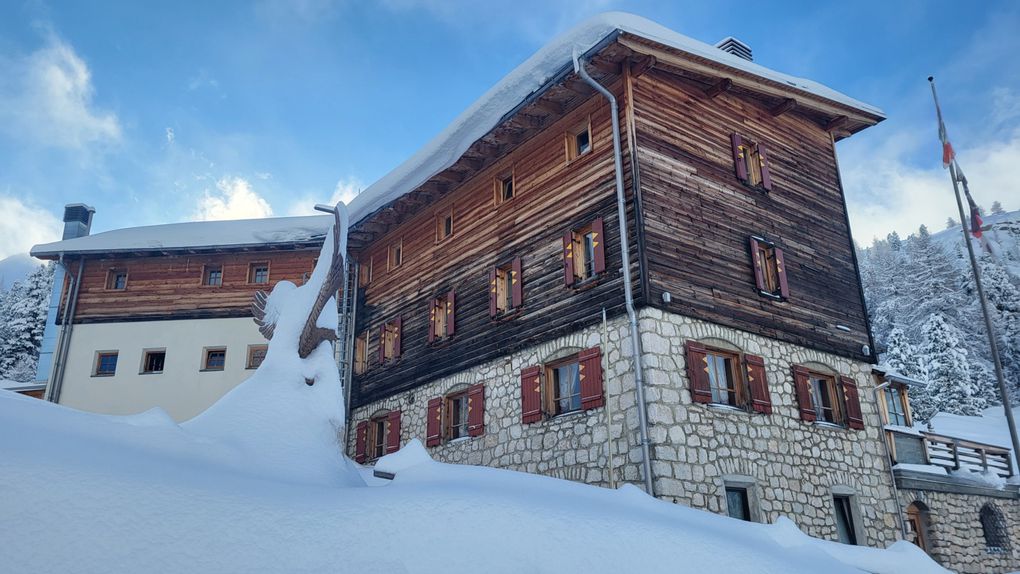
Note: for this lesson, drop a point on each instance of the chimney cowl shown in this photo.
(77, 220)
(734, 46)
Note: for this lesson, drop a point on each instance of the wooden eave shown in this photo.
(204, 250)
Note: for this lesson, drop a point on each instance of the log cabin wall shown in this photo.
(552, 195)
(168, 286)
(698, 217)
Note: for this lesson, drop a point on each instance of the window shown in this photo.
(846, 531)
(737, 503)
(444, 225)
(564, 388)
(153, 360)
(567, 385)
(769, 269)
(750, 161)
(212, 275)
(106, 364)
(579, 140)
(213, 359)
(389, 341)
(459, 414)
(503, 188)
(506, 291)
(918, 523)
(895, 405)
(993, 525)
(716, 377)
(377, 444)
(116, 279)
(256, 354)
(361, 353)
(827, 398)
(365, 272)
(258, 273)
(457, 419)
(584, 253)
(441, 317)
(824, 398)
(724, 377)
(377, 436)
(396, 255)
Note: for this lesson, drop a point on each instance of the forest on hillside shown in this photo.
(22, 321)
(926, 317)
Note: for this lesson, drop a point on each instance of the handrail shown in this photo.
(957, 453)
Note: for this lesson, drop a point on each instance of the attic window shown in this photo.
(258, 273)
(212, 275)
(751, 163)
(579, 140)
(504, 188)
(116, 279)
(396, 255)
(444, 225)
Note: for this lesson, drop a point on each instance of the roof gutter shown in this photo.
(628, 294)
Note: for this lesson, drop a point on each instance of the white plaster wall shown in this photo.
(182, 389)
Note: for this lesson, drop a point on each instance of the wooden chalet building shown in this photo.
(160, 316)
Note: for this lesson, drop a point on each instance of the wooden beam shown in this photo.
(641, 65)
(783, 107)
(449, 176)
(607, 66)
(578, 86)
(550, 106)
(719, 87)
(836, 123)
(527, 121)
(472, 162)
(373, 226)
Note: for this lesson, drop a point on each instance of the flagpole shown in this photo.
(1003, 394)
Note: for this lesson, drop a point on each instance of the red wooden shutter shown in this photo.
(738, 157)
(382, 344)
(763, 160)
(568, 258)
(432, 320)
(476, 410)
(451, 299)
(400, 332)
(854, 418)
(361, 442)
(590, 373)
(517, 284)
(493, 307)
(758, 384)
(393, 432)
(759, 273)
(599, 244)
(531, 395)
(802, 386)
(434, 422)
(697, 372)
(784, 286)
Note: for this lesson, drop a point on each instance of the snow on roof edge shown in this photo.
(530, 76)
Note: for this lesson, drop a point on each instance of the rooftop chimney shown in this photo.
(77, 220)
(735, 47)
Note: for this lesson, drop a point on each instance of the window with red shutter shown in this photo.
(739, 161)
(590, 375)
(769, 265)
(476, 410)
(854, 417)
(393, 432)
(531, 394)
(441, 317)
(751, 163)
(361, 442)
(505, 293)
(434, 422)
(802, 387)
(568, 259)
(389, 341)
(758, 384)
(584, 253)
(763, 161)
(516, 283)
(697, 372)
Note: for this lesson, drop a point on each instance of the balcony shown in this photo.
(930, 460)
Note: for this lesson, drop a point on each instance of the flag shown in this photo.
(948, 155)
(948, 159)
(975, 214)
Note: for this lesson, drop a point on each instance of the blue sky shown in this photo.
(157, 113)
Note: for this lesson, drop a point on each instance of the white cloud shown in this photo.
(23, 225)
(234, 199)
(345, 190)
(170, 136)
(47, 97)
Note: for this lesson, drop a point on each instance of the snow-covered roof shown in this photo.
(196, 235)
(894, 376)
(489, 110)
(18, 386)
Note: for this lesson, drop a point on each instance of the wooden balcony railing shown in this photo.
(950, 453)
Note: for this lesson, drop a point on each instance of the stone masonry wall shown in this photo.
(793, 465)
(955, 533)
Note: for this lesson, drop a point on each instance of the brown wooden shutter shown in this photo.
(697, 372)
(517, 283)
(758, 384)
(759, 273)
(568, 258)
(763, 160)
(599, 244)
(382, 344)
(738, 157)
(590, 373)
(493, 307)
(393, 432)
(802, 386)
(361, 442)
(451, 314)
(784, 285)
(476, 410)
(400, 333)
(531, 395)
(432, 321)
(434, 422)
(852, 399)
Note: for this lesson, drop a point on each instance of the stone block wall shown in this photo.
(955, 533)
(791, 467)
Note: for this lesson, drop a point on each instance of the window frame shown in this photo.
(207, 271)
(994, 529)
(836, 397)
(253, 268)
(397, 247)
(499, 187)
(582, 258)
(365, 278)
(375, 442)
(207, 353)
(504, 282)
(391, 333)
(768, 259)
(918, 519)
(443, 219)
(146, 353)
(850, 505)
(359, 361)
(752, 155)
(749, 486)
(458, 397)
(97, 363)
(249, 362)
(741, 392)
(550, 387)
(439, 316)
(901, 399)
(111, 279)
(573, 151)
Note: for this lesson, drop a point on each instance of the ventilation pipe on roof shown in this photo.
(628, 295)
(733, 46)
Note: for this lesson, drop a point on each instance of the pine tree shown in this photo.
(997, 208)
(901, 354)
(951, 223)
(946, 363)
(22, 322)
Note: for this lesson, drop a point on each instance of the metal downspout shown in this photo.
(60, 360)
(628, 295)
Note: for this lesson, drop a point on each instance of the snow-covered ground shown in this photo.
(989, 428)
(257, 484)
